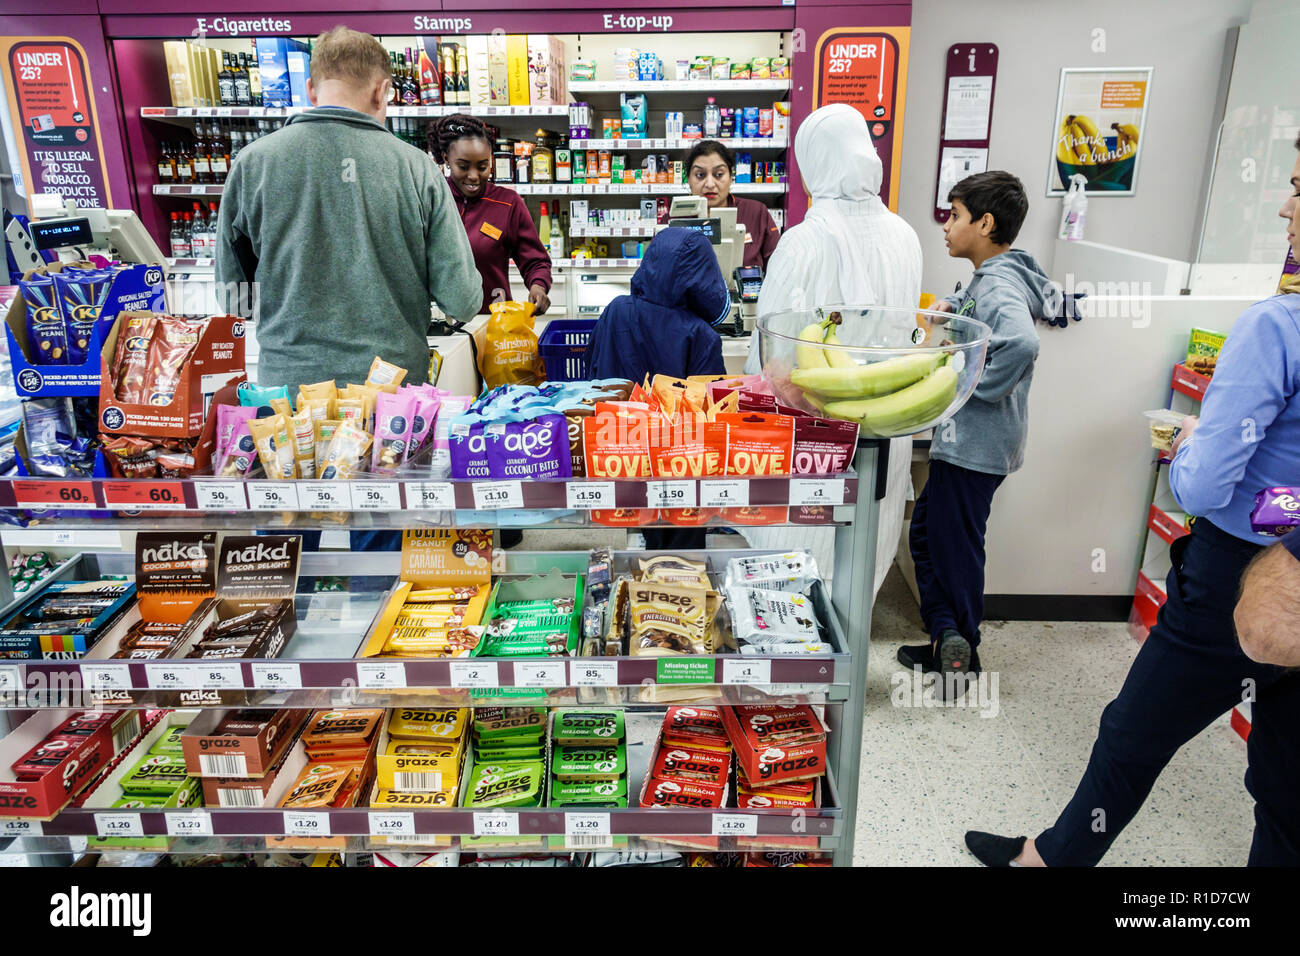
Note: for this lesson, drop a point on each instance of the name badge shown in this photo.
(489, 230)
(748, 237)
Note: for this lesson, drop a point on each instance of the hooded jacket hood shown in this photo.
(1019, 267)
(680, 271)
(836, 157)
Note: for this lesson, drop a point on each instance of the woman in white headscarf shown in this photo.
(848, 250)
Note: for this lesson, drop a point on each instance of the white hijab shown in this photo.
(848, 250)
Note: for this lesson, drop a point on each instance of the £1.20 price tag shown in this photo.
(21, 828)
(392, 824)
(188, 823)
(735, 824)
(496, 824)
(586, 824)
(306, 823)
(118, 825)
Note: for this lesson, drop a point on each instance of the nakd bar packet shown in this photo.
(823, 446)
(536, 448)
(758, 444)
(690, 447)
(394, 419)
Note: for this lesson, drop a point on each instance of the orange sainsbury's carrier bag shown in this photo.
(507, 349)
(758, 445)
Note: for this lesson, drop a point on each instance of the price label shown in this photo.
(54, 494)
(431, 495)
(326, 495)
(670, 494)
(379, 674)
(144, 495)
(118, 825)
(587, 673)
(735, 824)
(220, 495)
(746, 671)
(185, 111)
(225, 675)
(106, 676)
(167, 676)
(594, 495)
(377, 496)
(586, 824)
(540, 674)
(11, 681)
(277, 676)
(21, 828)
(189, 823)
(272, 496)
(496, 824)
(724, 494)
(474, 674)
(392, 824)
(494, 495)
(306, 823)
(816, 491)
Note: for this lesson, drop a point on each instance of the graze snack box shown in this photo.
(775, 744)
(159, 373)
(53, 756)
(438, 604)
(240, 743)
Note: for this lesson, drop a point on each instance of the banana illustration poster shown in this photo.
(1100, 118)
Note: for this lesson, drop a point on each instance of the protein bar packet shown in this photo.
(793, 571)
(229, 420)
(322, 434)
(760, 615)
(426, 410)
(449, 409)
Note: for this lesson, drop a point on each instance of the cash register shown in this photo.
(728, 238)
(70, 234)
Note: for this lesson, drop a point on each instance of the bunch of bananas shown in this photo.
(897, 396)
(1078, 143)
(1127, 136)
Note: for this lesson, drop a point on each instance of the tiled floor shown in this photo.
(929, 774)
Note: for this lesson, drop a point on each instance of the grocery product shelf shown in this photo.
(318, 667)
(628, 189)
(1189, 383)
(679, 86)
(1170, 526)
(622, 232)
(188, 189)
(735, 142)
(180, 115)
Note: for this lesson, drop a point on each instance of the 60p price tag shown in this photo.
(377, 496)
(735, 824)
(118, 825)
(306, 823)
(220, 495)
(670, 494)
(277, 676)
(495, 495)
(496, 824)
(189, 823)
(594, 495)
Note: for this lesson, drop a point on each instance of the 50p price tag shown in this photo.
(377, 496)
(273, 496)
(496, 824)
(306, 823)
(670, 494)
(431, 495)
(188, 823)
(326, 495)
(495, 495)
(220, 495)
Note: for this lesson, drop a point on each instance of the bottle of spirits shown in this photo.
(184, 164)
(226, 81)
(430, 87)
(177, 239)
(202, 165)
(410, 85)
(254, 77)
(219, 154)
(243, 95)
(396, 98)
(183, 248)
(166, 166)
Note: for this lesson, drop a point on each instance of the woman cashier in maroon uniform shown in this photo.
(496, 219)
(711, 172)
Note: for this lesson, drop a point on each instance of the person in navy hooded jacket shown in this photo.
(667, 326)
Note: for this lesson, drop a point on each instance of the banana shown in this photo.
(862, 381)
(910, 408)
(1127, 134)
(834, 357)
(1065, 144)
(1082, 147)
(811, 356)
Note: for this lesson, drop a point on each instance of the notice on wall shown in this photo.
(866, 70)
(48, 90)
(1100, 117)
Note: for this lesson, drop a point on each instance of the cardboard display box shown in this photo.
(564, 590)
(776, 744)
(24, 638)
(137, 288)
(251, 753)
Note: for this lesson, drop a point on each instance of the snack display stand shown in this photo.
(318, 668)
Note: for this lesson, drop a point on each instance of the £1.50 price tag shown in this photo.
(589, 495)
(496, 495)
(670, 494)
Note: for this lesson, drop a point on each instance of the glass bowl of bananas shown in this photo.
(893, 371)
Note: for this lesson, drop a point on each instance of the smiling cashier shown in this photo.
(499, 225)
(711, 172)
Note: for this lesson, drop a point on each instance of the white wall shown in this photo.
(1086, 480)
(1182, 39)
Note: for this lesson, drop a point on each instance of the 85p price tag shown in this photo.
(105, 677)
(277, 676)
(587, 673)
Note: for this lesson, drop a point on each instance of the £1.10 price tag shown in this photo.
(670, 494)
(220, 496)
(189, 823)
(496, 495)
(377, 496)
(589, 495)
(392, 824)
(732, 493)
(306, 823)
(816, 491)
(496, 824)
(273, 496)
(735, 824)
(746, 671)
(118, 825)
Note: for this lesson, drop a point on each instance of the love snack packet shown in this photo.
(823, 446)
(758, 445)
(616, 444)
(688, 448)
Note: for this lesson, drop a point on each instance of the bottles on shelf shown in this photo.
(193, 234)
(205, 159)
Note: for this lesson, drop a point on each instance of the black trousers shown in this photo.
(947, 545)
(1189, 671)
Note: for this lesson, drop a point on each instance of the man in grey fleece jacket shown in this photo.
(347, 232)
(973, 452)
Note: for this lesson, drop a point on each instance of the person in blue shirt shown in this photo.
(1191, 668)
(667, 326)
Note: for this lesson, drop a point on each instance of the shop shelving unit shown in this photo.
(318, 670)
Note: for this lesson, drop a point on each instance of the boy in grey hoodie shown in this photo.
(973, 452)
